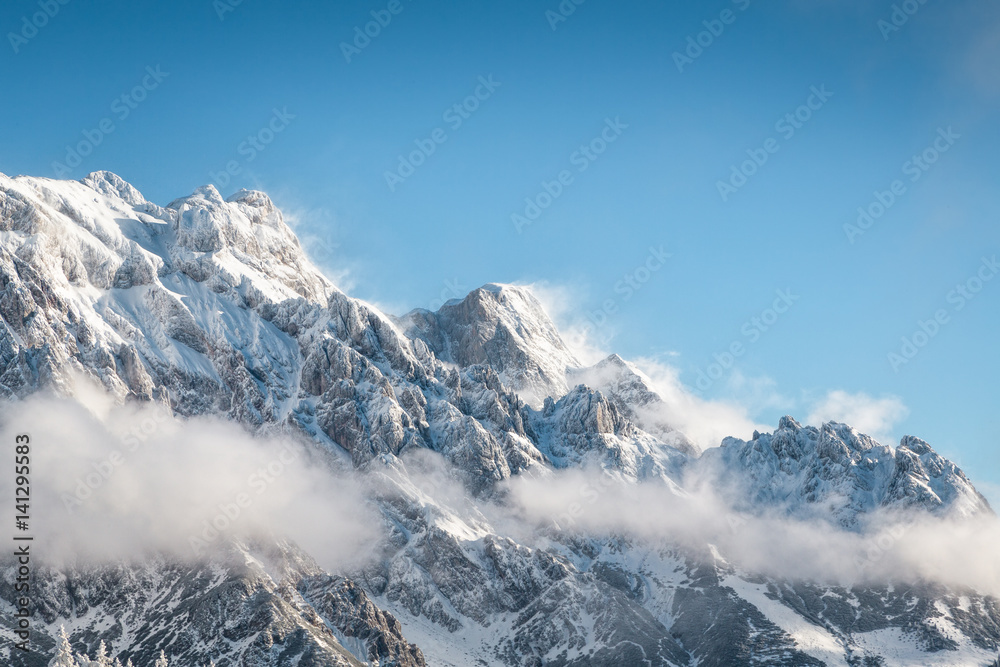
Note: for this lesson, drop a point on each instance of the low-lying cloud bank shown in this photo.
(113, 482)
(891, 548)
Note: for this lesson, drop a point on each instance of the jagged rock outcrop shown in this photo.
(835, 471)
(633, 394)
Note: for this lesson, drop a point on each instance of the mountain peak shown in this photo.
(615, 363)
(112, 184)
(504, 326)
(789, 422)
(212, 308)
(915, 445)
(510, 297)
(205, 193)
(258, 208)
(252, 198)
(497, 288)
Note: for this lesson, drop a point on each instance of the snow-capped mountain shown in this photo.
(209, 306)
(834, 471)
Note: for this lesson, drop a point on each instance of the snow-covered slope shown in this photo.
(210, 307)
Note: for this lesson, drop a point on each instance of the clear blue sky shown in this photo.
(655, 184)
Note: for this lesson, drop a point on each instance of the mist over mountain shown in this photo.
(236, 461)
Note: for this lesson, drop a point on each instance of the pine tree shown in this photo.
(101, 659)
(162, 660)
(64, 652)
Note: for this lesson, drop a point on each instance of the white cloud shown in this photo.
(319, 233)
(875, 416)
(705, 422)
(113, 482)
(907, 548)
(757, 393)
(564, 305)
(708, 421)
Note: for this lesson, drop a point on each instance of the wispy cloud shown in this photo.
(564, 305)
(112, 482)
(706, 422)
(891, 548)
(877, 417)
(319, 231)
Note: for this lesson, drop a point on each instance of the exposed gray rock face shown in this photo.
(344, 605)
(635, 397)
(721, 629)
(254, 605)
(209, 306)
(586, 427)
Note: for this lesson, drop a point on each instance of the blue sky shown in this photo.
(641, 137)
